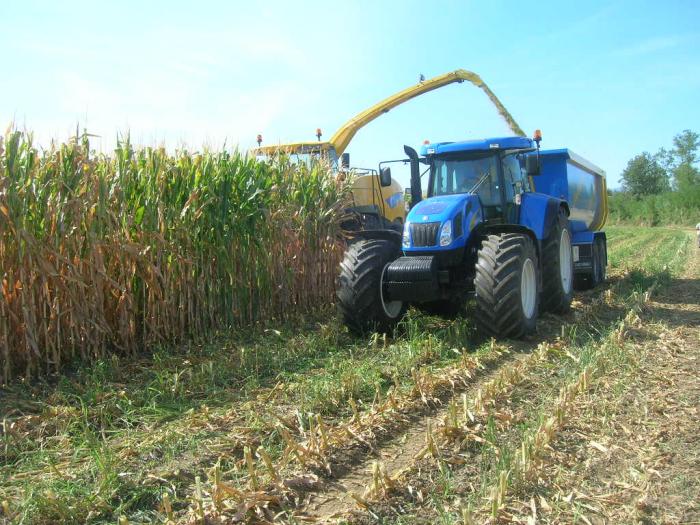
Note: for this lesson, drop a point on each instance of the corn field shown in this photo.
(103, 254)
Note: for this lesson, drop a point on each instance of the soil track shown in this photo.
(634, 456)
(397, 447)
(658, 412)
(396, 454)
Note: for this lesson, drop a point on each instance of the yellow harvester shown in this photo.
(378, 197)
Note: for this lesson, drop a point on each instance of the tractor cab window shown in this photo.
(477, 174)
(515, 180)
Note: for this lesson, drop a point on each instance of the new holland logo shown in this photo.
(425, 217)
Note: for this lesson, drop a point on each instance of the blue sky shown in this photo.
(606, 79)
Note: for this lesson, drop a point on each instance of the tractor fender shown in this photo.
(389, 235)
(539, 212)
(493, 229)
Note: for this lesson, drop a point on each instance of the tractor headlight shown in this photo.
(406, 242)
(446, 233)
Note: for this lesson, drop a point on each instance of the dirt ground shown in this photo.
(630, 453)
(634, 456)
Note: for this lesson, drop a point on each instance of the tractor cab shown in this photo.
(491, 169)
(470, 183)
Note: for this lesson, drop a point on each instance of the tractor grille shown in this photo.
(424, 234)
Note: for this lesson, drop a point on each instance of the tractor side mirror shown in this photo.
(385, 177)
(532, 165)
(345, 161)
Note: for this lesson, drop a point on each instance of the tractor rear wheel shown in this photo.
(506, 286)
(361, 300)
(558, 267)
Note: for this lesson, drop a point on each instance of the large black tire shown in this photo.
(360, 298)
(506, 273)
(557, 285)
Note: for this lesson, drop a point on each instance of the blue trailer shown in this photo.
(582, 184)
(514, 227)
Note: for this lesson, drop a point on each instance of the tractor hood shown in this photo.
(426, 220)
(440, 208)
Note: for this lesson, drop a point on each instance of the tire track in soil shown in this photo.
(395, 454)
(397, 451)
(653, 476)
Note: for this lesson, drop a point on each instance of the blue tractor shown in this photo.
(506, 224)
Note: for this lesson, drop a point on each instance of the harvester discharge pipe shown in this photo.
(341, 139)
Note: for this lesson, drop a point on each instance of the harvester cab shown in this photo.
(377, 200)
(483, 232)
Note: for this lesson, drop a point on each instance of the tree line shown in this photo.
(661, 188)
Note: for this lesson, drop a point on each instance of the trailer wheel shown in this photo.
(557, 267)
(602, 259)
(506, 286)
(361, 301)
(598, 273)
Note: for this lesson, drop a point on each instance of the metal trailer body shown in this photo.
(570, 177)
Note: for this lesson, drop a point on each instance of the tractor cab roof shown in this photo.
(498, 143)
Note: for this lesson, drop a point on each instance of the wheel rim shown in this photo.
(391, 308)
(566, 267)
(528, 288)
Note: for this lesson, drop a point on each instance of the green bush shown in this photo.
(668, 208)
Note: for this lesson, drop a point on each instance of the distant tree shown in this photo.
(685, 154)
(666, 159)
(644, 175)
(685, 147)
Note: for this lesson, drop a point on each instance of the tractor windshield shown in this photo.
(477, 174)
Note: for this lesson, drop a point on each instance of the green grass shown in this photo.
(669, 208)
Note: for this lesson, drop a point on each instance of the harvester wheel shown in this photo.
(558, 267)
(361, 300)
(506, 286)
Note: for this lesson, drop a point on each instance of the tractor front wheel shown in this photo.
(361, 300)
(506, 286)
